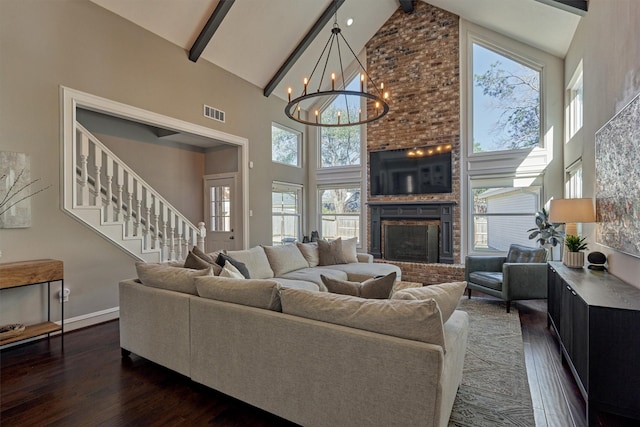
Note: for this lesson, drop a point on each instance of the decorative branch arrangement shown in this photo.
(16, 194)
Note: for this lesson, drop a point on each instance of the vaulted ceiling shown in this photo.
(255, 37)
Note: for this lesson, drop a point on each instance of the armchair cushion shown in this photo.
(488, 279)
(519, 253)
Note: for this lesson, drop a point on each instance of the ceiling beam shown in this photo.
(406, 5)
(579, 7)
(302, 46)
(209, 29)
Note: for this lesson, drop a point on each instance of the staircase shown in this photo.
(109, 197)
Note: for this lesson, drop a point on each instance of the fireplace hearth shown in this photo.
(439, 214)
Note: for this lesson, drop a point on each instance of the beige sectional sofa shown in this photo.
(315, 358)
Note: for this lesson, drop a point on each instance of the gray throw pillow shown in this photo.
(195, 262)
(242, 268)
(375, 288)
(330, 253)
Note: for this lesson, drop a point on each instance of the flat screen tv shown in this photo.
(421, 170)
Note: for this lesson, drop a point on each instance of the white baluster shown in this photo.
(118, 214)
(180, 234)
(201, 235)
(98, 184)
(138, 220)
(165, 253)
(147, 219)
(109, 211)
(84, 174)
(129, 224)
(156, 215)
(172, 227)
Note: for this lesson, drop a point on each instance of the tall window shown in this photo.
(286, 201)
(506, 102)
(340, 146)
(502, 214)
(339, 212)
(573, 186)
(286, 145)
(575, 107)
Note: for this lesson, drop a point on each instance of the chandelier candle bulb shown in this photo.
(361, 82)
(305, 82)
(338, 117)
(317, 116)
(289, 92)
(333, 81)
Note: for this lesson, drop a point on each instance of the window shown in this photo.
(575, 107)
(286, 201)
(505, 102)
(340, 146)
(502, 214)
(340, 212)
(286, 145)
(573, 186)
(220, 208)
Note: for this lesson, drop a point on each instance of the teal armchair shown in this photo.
(521, 275)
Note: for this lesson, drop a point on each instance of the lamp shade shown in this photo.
(571, 210)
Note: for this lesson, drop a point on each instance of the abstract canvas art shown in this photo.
(618, 181)
(15, 182)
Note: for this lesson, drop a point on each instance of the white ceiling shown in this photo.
(257, 36)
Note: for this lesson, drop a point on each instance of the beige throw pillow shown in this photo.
(256, 261)
(375, 288)
(330, 253)
(447, 295)
(170, 278)
(229, 270)
(349, 250)
(413, 320)
(195, 255)
(252, 292)
(285, 258)
(310, 253)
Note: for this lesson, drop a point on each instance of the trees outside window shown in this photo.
(286, 145)
(286, 201)
(506, 102)
(340, 212)
(340, 146)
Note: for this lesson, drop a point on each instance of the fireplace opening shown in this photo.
(411, 242)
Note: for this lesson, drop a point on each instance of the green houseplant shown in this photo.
(545, 232)
(573, 256)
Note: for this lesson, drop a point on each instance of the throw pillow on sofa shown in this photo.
(285, 258)
(349, 250)
(231, 272)
(256, 261)
(222, 258)
(261, 293)
(447, 295)
(196, 259)
(414, 320)
(330, 252)
(170, 278)
(310, 253)
(374, 288)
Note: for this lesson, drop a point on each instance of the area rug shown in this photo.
(494, 390)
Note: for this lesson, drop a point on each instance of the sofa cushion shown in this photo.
(312, 274)
(297, 284)
(285, 258)
(414, 320)
(222, 258)
(349, 249)
(447, 295)
(170, 278)
(230, 271)
(488, 279)
(330, 253)
(374, 288)
(259, 293)
(361, 271)
(519, 253)
(256, 261)
(310, 253)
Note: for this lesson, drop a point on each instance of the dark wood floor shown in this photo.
(90, 384)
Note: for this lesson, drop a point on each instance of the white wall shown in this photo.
(607, 42)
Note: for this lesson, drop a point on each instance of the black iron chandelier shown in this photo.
(349, 112)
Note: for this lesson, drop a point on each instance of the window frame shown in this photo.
(299, 145)
(286, 187)
(320, 215)
(575, 103)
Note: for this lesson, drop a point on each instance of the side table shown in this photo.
(28, 273)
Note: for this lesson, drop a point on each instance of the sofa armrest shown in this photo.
(363, 257)
(524, 280)
(482, 263)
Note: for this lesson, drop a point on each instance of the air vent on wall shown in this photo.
(214, 113)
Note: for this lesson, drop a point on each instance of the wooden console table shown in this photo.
(35, 272)
(597, 317)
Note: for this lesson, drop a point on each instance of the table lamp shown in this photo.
(570, 212)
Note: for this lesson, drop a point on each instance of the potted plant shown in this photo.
(573, 257)
(546, 233)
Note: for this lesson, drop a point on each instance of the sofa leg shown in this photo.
(469, 293)
(508, 306)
